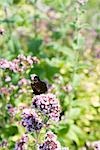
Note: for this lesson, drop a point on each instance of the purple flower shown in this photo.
(4, 90)
(93, 145)
(96, 145)
(20, 145)
(11, 110)
(3, 143)
(13, 66)
(47, 104)
(7, 79)
(31, 121)
(29, 60)
(4, 64)
(21, 57)
(20, 64)
(50, 142)
(7, 91)
(23, 81)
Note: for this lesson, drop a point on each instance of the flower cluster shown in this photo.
(19, 64)
(11, 110)
(31, 120)
(96, 145)
(24, 81)
(47, 104)
(5, 91)
(50, 142)
(3, 144)
(93, 145)
(20, 145)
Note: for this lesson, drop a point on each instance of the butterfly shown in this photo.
(38, 86)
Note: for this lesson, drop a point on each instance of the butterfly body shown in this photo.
(38, 86)
(61, 115)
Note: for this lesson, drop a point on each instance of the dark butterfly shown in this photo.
(38, 86)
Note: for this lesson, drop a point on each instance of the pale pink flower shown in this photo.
(50, 142)
(47, 104)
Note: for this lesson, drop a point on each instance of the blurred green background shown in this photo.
(65, 36)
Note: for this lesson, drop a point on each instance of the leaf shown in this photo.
(34, 45)
(76, 80)
(73, 136)
(63, 129)
(80, 41)
(74, 113)
(78, 131)
(45, 70)
(10, 130)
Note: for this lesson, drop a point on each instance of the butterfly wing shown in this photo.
(43, 87)
(39, 87)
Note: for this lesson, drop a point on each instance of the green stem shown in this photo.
(76, 53)
(35, 18)
(7, 22)
(36, 134)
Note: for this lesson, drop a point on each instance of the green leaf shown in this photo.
(73, 136)
(76, 80)
(63, 129)
(10, 130)
(34, 45)
(74, 113)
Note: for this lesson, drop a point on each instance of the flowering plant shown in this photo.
(59, 42)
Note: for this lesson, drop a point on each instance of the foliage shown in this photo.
(64, 36)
